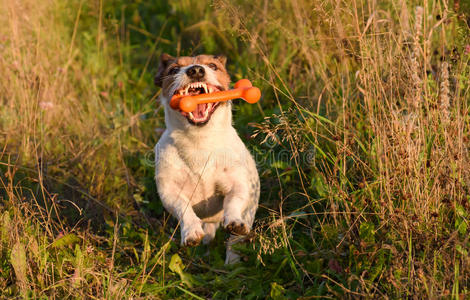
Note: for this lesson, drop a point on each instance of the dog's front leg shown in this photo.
(240, 203)
(240, 206)
(180, 207)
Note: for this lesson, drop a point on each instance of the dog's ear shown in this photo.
(164, 61)
(221, 58)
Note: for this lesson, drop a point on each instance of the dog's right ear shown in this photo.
(221, 58)
(164, 61)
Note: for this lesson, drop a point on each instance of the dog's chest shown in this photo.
(199, 167)
(207, 181)
(207, 168)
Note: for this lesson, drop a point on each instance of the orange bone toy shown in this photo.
(242, 89)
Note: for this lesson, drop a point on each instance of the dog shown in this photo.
(205, 175)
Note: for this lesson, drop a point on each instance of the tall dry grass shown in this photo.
(385, 75)
(62, 135)
(60, 115)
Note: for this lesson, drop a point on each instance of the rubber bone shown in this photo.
(242, 89)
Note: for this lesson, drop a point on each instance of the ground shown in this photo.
(361, 140)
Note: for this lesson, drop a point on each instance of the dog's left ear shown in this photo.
(221, 58)
(164, 61)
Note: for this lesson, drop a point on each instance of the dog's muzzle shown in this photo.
(203, 112)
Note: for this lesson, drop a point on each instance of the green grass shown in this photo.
(361, 140)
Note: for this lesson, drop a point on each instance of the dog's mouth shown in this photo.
(203, 112)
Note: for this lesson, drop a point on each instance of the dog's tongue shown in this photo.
(199, 111)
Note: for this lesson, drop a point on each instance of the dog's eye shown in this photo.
(173, 70)
(213, 66)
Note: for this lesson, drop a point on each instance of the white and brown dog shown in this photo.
(205, 175)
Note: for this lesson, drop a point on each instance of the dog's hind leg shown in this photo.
(209, 232)
(231, 256)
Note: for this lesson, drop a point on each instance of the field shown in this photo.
(361, 139)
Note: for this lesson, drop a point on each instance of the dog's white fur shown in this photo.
(205, 175)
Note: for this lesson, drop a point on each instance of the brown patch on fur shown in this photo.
(237, 228)
(167, 62)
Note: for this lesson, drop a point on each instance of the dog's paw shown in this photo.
(192, 236)
(237, 227)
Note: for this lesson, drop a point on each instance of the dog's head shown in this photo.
(192, 76)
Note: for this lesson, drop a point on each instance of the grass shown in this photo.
(361, 140)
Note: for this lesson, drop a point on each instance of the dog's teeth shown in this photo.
(205, 88)
(191, 115)
(206, 113)
(210, 89)
(186, 90)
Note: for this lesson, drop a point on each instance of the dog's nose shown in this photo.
(196, 72)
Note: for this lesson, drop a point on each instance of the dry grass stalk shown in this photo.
(18, 261)
(444, 95)
(416, 98)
